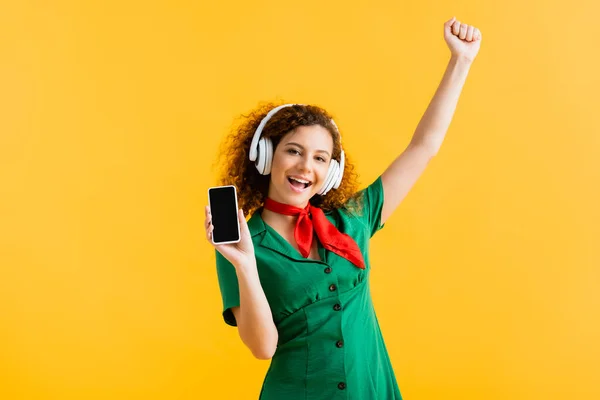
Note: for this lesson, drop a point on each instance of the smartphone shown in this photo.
(224, 211)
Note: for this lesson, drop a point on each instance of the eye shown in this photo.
(321, 159)
(293, 151)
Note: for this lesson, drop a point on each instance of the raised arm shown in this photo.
(463, 41)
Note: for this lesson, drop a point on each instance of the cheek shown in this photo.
(278, 159)
(281, 163)
(323, 168)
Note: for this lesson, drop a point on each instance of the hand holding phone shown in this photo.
(226, 226)
(224, 212)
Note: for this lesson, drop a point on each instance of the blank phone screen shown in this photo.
(223, 208)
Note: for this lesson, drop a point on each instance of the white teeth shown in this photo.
(299, 180)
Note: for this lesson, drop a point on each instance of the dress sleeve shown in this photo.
(230, 291)
(371, 203)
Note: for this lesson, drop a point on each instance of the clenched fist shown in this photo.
(462, 39)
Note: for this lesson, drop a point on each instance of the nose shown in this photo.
(305, 164)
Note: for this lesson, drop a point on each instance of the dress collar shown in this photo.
(269, 238)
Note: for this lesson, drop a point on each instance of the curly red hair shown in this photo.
(238, 170)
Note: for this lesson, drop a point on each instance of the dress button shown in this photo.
(341, 386)
(339, 343)
(332, 288)
(337, 307)
(328, 270)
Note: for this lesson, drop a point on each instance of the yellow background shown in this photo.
(486, 280)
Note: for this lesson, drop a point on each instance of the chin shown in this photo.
(299, 201)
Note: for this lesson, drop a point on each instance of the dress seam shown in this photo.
(358, 285)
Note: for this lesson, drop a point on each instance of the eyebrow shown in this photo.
(299, 145)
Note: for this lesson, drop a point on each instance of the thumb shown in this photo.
(450, 22)
(242, 221)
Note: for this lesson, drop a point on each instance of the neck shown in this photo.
(271, 216)
(283, 224)
(280, 220)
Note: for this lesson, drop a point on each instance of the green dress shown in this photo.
(330, 344)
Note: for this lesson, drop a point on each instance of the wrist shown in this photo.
(458, 59)
(247, 268)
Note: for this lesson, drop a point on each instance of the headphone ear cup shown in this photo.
(340, 173)
(268, 155)
(261, 156)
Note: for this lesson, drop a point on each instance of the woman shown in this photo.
(297, 284)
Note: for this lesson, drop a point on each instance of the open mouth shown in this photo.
(299, 183)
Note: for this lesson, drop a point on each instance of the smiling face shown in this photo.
(300, 165)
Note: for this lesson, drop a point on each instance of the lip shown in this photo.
(297, 190)
(300, 177)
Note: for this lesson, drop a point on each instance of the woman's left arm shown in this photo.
(464, 41)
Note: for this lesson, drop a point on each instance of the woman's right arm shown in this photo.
(254, 319)
(253, 316)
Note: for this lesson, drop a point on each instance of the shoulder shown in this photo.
(363, 198)
(364, 208)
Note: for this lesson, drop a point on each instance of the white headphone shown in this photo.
(261, 151)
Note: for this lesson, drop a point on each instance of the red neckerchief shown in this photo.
(331, 238)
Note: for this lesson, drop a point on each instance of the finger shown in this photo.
(463, 31)
(456, 27)
(207, 219)
(208, 224)
(449, 23)
(470, 31)
(477, 34)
